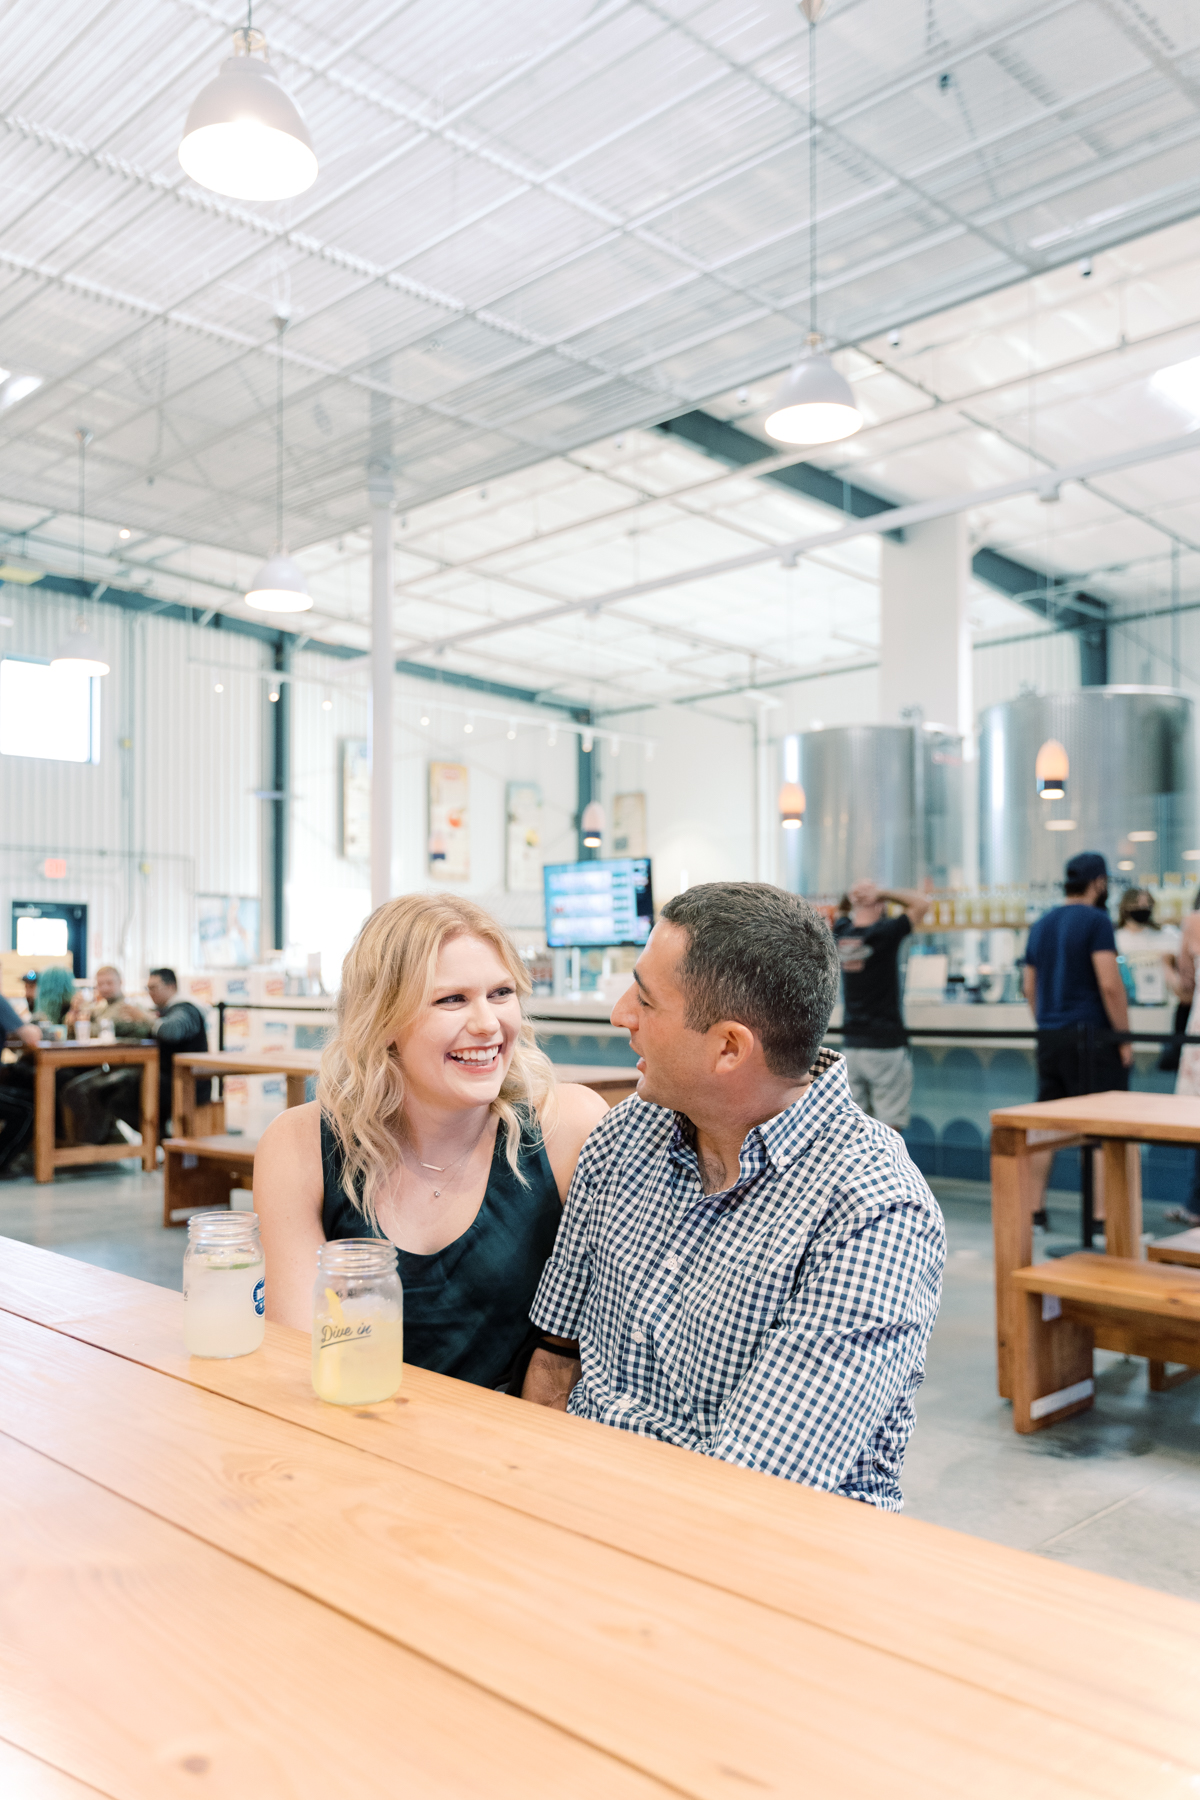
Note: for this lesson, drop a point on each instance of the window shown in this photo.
(48, 712)
(41, 937)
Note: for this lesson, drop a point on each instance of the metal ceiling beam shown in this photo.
(128, 600)
(1030, 587)
(919, 513)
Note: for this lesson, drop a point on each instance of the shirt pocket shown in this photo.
(719, 1325)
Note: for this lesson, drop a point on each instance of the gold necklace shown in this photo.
(443, 1170)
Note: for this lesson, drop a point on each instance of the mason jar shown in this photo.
(224, 1289)
(358, 1322)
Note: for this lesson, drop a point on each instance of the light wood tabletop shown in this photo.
(49, 1060)
(1121, 1121)
(455, 1593)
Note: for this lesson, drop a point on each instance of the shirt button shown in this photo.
(672, 1263)
(639, 1337)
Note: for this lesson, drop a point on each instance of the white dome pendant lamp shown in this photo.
(814, 404)
(244, 135)
(79, 653)
(279, 586)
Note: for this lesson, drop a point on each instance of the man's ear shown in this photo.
(735, 1044)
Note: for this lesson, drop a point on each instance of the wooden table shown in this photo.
(190, 1120)
(48, 1059)
(1122, 1121)
(210, 1583)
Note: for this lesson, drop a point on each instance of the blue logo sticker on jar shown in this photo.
(260, 1298)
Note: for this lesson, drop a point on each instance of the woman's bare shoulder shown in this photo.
(579, 1108)
(296, 1132)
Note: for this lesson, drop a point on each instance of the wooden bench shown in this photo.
(1067, 1308)
(1183, 1248)
(200, 1171)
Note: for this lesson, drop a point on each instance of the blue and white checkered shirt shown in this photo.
(780, 1324)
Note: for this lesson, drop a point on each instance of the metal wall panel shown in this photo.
(168, 810)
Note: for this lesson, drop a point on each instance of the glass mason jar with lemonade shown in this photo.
(358, 1322)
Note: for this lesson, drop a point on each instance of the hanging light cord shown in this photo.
(85, 437)
(812, 180)
(281, 327)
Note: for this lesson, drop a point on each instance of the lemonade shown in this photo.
(358, 1322)
(357, 1352)
(224, 1288)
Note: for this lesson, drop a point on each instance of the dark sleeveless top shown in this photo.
(466, 1308)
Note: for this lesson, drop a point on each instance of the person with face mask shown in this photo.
(1187, 1081)
(1148, 949)
(1072, 980)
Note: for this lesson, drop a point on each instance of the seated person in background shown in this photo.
(29, 982)
(437, 1126)
(96, 1103)
(55, 995)
(16, 1101)
(179, 1026)
(748, 1265)
(55, 992)
(110, 1007)
(878, 1064)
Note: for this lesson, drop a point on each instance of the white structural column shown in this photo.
(383, 559)
(925, 636)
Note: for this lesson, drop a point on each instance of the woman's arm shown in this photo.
(579, 1111)
(289, 1188)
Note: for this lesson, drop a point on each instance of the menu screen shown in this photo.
(594, 905)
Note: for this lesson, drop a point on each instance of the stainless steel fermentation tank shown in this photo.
(883, 801)
(1130, 793)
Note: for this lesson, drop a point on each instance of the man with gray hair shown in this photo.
(748, 1265)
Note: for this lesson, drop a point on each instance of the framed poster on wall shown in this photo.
(354, 837)
(228, 928)
(523, 858)
(449, 821)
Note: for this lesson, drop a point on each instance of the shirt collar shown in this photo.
(779, 1140)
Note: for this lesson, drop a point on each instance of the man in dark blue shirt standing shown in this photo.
(1071, 982)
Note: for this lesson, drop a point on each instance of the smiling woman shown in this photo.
(438, 1126)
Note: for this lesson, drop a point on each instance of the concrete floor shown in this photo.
(1116, 1489)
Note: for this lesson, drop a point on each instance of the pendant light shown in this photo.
(791, 806)
(591, 825)
(814, 405)
(79, 653)
(1051, 769)
(279, 586)
(244, 135)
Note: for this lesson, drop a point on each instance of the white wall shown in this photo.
(699, 787)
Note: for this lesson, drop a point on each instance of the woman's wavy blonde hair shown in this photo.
(387, 979)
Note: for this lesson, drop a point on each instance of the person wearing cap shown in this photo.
(29, 981)
(1072, 981)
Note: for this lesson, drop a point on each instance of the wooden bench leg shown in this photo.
(1161, 1382)
(192, 1183)
(1051, 1363)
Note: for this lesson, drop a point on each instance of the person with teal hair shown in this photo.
(55, 992)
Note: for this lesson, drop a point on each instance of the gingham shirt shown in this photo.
(780, 1324)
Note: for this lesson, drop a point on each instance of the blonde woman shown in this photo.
(437, 1125)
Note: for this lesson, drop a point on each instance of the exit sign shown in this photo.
(55, 868)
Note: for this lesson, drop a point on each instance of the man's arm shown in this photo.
(843, 1354)
(1112, 993)
(551, 1375)
(916, 905)
(562, 1292)
(1029, 986)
